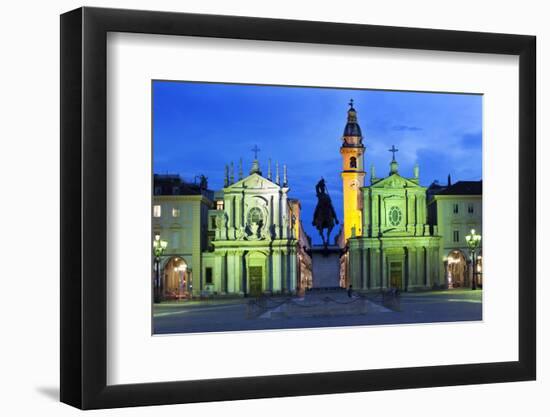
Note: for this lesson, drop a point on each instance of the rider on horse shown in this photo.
(324, 216)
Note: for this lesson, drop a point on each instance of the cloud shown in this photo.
(401, 128)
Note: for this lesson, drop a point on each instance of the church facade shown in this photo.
(244, 239)
(386, 239)
(397, 248)
(255, 246)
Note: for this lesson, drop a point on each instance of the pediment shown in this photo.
(395, 181)
(253, 182)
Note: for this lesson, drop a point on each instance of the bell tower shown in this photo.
(353, 174)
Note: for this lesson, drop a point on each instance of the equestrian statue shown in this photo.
(324, 216)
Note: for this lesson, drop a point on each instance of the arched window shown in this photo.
(353, 162)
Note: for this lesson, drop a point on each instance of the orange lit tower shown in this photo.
(353, 174)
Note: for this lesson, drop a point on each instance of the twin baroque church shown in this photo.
(386, 237)
(245, 239)
(248, 239)
(256, 242)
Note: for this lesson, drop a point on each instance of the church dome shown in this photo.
(352, 127)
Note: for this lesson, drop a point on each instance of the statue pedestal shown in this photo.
(326, 266)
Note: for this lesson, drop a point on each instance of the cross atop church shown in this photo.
(351, 103)
(393, 150)
(255, 149)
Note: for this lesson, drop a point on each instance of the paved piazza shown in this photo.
(323, 309)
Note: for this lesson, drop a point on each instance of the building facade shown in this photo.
(180, 213)
(397, 248)
(456, 209)
(399, 234)
(245, 239)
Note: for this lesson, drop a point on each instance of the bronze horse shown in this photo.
(324, 216)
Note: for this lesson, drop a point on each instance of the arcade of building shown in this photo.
(247, 238)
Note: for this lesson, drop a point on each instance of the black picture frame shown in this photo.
(84, 207)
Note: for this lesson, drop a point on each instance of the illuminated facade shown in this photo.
(353, 175)
(392, 237)
(397, 248)
(180, 213)
(246, 239)
(386, 237)
(456, 209)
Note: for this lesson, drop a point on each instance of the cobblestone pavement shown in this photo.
(234, 315)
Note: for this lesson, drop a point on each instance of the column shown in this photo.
(238, 211)
(375, 227)
(276, 257)
(409, 210)
(284, 270)
(375, 276)
(293, 271)
(423, 209)
(218, 273)
(224, 274)
(355, 264)
(383, 278)
(419, 267)
(437, 272)
(231, 272)
(277, 216)
(382, 211)
(229, 210)
(427, 264)
(284, 215)
(271, 212)
(270, 271)
(240, 273)
(418, 223)
(367, 214)
(411, 258)
(243, 214)
(366, 268)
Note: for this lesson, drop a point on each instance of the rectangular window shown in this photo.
(470, 208)
(208, 276)
(219, 205)
(456, 236)
(213, 222)
(175, 212)
(455, 208)
(156, 211)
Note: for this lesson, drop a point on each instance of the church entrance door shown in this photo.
(255, 280)
(396, 275)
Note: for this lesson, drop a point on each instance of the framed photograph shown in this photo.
(260, 208)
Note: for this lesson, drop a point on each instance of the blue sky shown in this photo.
(198, 128)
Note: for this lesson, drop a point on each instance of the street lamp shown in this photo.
(473, 241)
(159, 246)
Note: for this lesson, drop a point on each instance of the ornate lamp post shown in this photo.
(159, 246)
(473, 241)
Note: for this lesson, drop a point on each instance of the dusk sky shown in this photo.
(198, 128)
